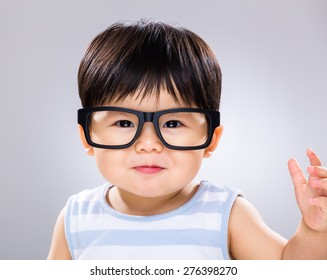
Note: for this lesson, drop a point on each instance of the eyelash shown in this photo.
(168, 124)
(173, 121)
(124, 122)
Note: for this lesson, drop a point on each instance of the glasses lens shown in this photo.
(184, 129)
(112, 127)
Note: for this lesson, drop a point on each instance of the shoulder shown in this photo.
(86, 200)
(59, 248)
(212, 187)
(89, 194)
(223, 194)
(77, 204)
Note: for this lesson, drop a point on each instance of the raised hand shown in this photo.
(311, 193)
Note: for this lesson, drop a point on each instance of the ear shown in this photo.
(214, 142)
(88, 149)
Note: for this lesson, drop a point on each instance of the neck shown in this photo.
(128, 203)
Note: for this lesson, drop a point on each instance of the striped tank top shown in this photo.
(196, 230)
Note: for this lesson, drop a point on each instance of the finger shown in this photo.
(318, 180)
(317, 171)
(319, 202)
(318, 187)
(320, 183)
(313, 157)
(298, 178)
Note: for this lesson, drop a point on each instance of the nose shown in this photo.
(148, 139)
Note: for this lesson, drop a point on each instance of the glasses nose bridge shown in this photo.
(148, 116)
(151, 118)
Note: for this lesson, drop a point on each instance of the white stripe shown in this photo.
(89, 194)
(208, 221)
(148, 253)
(214, 196)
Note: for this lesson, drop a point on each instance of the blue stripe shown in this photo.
(85, 207)
(195, 237)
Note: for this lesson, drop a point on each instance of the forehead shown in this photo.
(150, 102)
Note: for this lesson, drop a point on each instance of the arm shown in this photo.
(59, 247)
(249, 237)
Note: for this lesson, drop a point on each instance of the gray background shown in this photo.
(273, 56)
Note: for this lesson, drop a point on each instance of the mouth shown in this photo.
(148, 169)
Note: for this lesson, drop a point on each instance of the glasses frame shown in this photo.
(83, 118)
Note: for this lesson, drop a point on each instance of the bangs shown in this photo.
(143, 59)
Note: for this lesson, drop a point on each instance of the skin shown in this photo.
(141, 190)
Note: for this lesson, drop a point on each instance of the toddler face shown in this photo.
(148, 168)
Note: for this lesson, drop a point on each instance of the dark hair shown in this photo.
(145, 57)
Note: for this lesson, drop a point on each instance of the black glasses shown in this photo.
(178, 129)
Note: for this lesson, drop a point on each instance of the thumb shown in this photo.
(298, 178)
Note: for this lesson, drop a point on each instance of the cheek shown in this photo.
(196, 162)
(188, 162)
(108, 162)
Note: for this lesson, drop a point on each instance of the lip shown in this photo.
(148, 169)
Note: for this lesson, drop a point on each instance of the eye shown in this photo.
(172, 124)
(124, 123)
